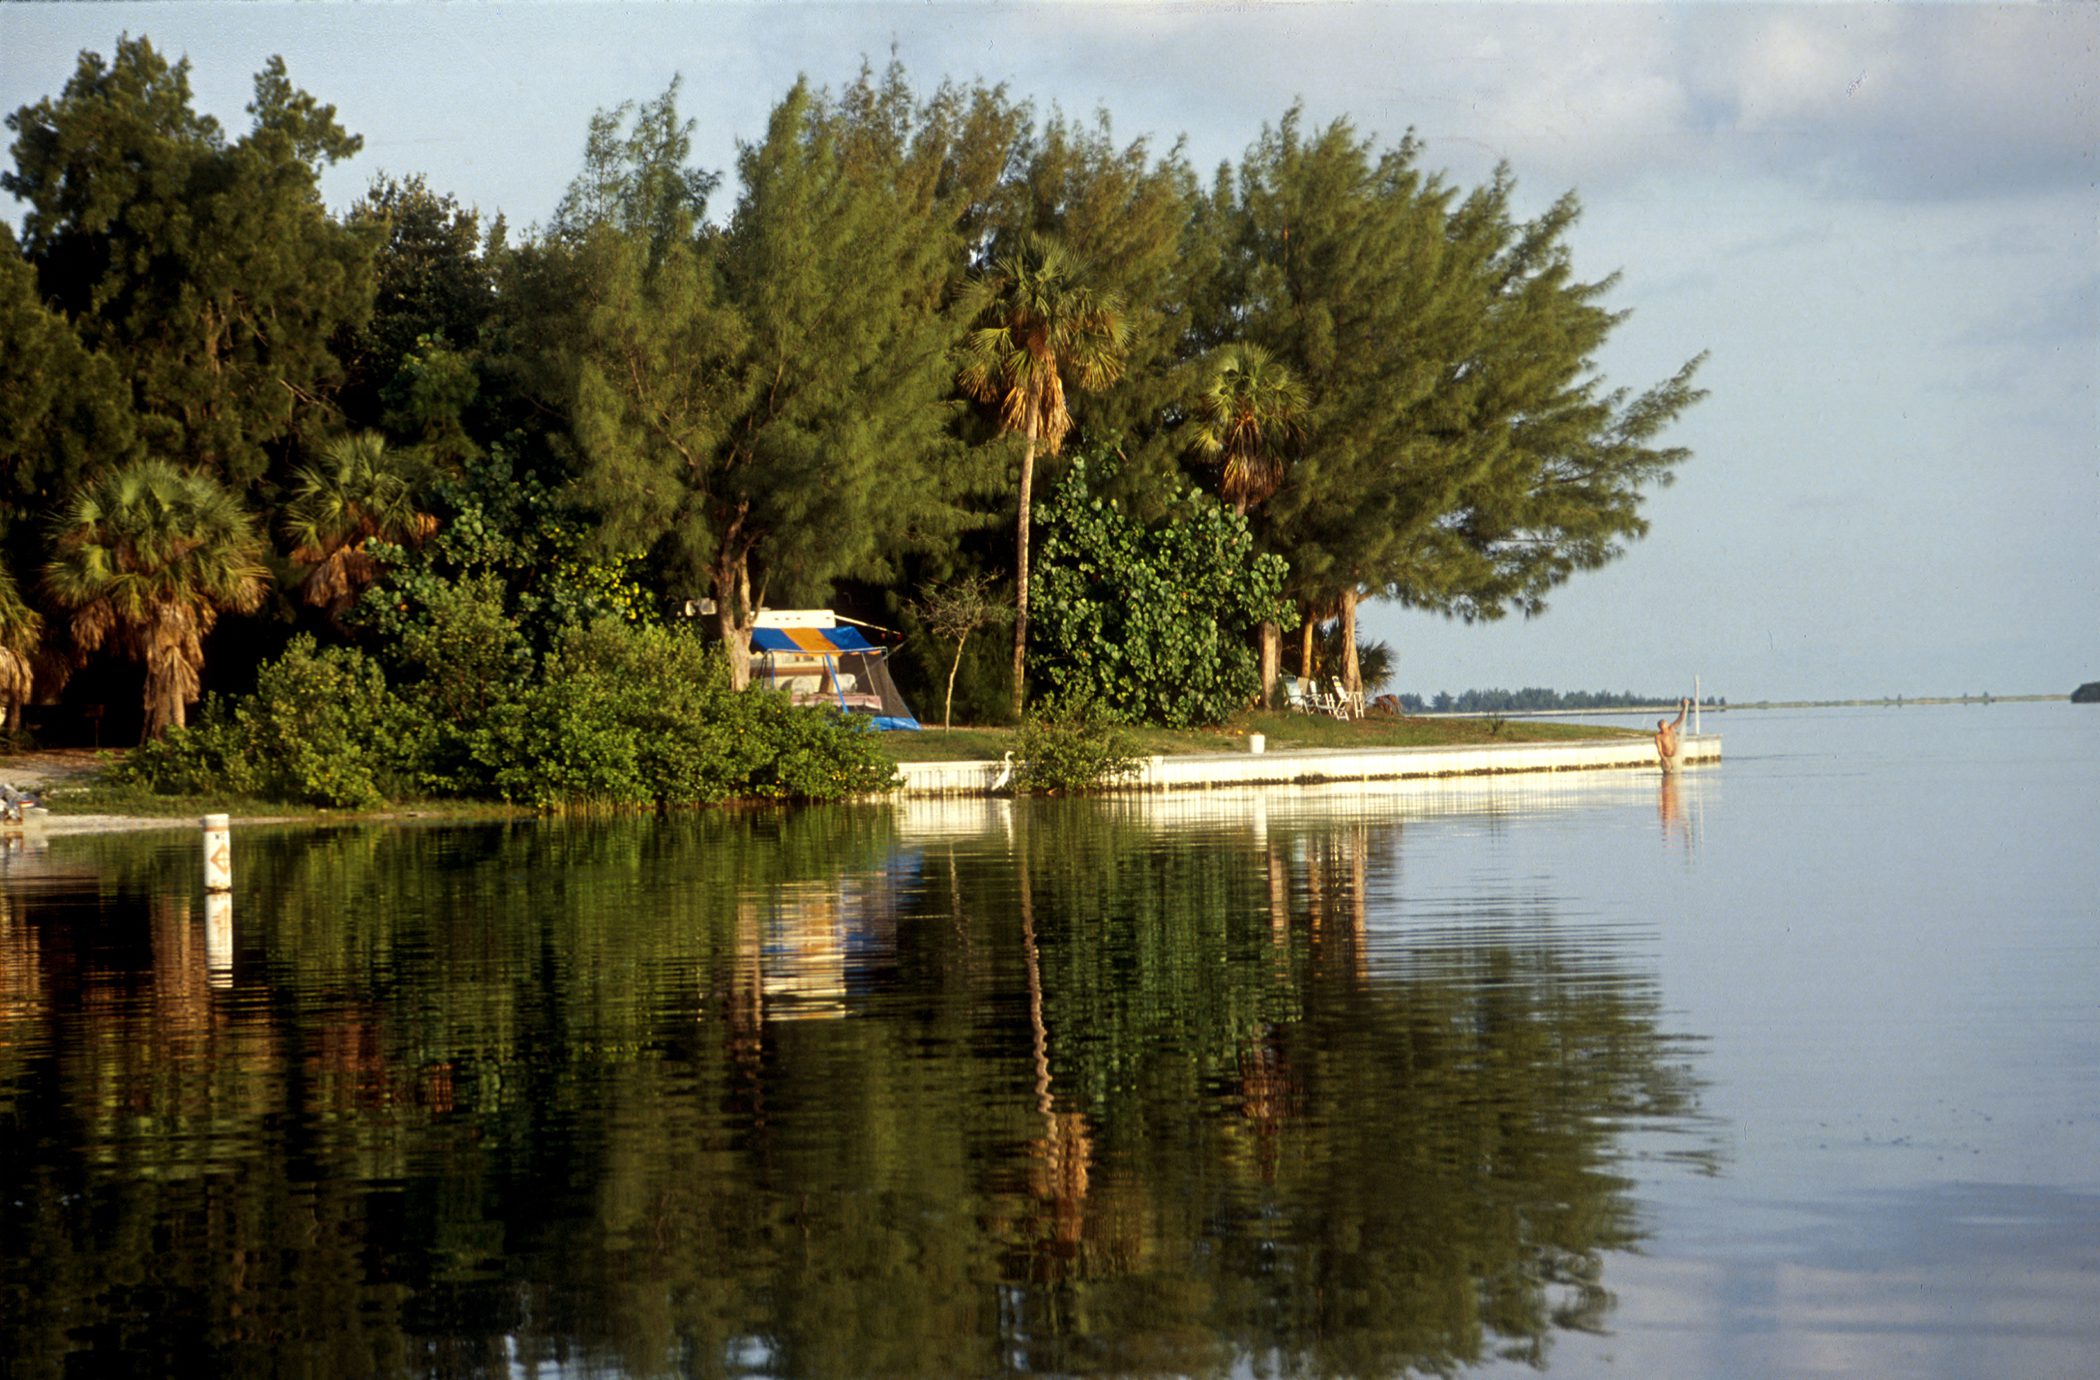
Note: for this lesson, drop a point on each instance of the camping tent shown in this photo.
(832, 666)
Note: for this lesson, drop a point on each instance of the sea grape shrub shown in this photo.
(1150, 624)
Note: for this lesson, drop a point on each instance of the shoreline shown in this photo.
(1179, 772)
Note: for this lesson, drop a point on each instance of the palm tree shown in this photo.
(21, 629)
(148, 556)
(1249, 414)
(1251, 410)
(360, 490)
(1035, 323)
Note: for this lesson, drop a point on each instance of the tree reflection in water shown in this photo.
(1098, 1094)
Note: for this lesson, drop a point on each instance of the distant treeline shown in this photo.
(1532, 698)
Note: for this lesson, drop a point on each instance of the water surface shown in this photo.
(1791, 1068)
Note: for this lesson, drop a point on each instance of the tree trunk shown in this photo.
(948, 705)
(1021, 573)
(1305, 648)
(1352, 672)
(1271, 662)
(164, 706)
(735, 616)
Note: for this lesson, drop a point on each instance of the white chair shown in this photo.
(1348, 705)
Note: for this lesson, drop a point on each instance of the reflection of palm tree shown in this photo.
(148, 558)
(1035, 322)
(1063, 1154)
(359, 491)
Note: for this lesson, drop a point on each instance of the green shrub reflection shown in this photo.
(810, 1093)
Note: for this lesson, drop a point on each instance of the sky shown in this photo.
(1881, 222)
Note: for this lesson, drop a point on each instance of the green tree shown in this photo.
(1248, 417)
(1465, 455)
(1125, 213)
(64, 410)
(1035, 321)
(759, 406)
(434, 279)
(147, 557)
(1248, 414)
(954, 611)
(207, 270)
(1555, 464)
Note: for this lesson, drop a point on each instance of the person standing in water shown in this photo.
(1666, 737)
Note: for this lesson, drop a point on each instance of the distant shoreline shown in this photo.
(1888, 702)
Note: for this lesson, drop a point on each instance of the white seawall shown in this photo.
(1204, 771)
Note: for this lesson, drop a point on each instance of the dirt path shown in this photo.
(40, 767)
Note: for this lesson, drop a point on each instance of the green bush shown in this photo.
(628, 715)
(209, 757)
(322, 728)
(1076, 750)
(821, 753)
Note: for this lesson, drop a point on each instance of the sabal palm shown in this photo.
(1036, 324)
(1249, 413)
(21, 629)
(148, 556)
(359, 490)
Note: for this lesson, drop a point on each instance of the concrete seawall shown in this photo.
(1204, 771)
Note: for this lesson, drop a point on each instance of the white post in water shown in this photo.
(218, 853)
(1695, 706)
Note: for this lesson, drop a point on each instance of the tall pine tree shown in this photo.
(1463, 454)
(760, 405)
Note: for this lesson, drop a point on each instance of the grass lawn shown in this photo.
(1284, 732)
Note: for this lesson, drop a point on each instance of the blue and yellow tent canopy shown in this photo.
(813, 641)
(853, 676)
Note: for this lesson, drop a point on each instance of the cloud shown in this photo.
(1941, 102)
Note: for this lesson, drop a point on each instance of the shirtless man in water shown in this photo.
(1666, 737)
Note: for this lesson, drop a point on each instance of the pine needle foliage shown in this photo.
(1463, 454)
(760, 405)
(207, 270)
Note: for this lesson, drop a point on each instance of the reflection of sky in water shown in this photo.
(1883, 928)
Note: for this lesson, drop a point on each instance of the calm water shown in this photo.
(1791, 1070)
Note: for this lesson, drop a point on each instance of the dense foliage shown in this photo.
(615, 716)
(827, 375)
(322, 728)
(1151, 623)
